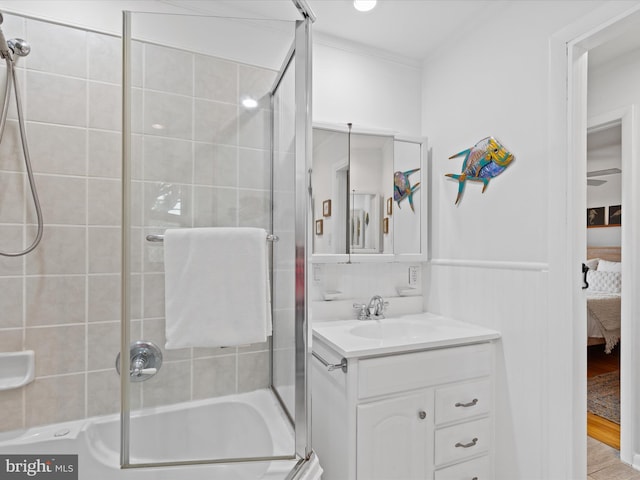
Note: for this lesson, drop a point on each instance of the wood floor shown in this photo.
(598, 363)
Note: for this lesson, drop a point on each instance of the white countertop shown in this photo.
(360, 338)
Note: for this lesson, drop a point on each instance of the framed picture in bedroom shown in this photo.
(595, 217)
(319, 227)
(615, 214)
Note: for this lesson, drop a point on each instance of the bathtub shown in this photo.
(249, 424)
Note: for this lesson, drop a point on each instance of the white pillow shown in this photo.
(592, 263)
(608, 282)
(606, 266)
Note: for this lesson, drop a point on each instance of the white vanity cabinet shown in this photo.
(410, 415)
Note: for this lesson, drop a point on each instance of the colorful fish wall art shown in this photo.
(402, 187)
(486, 159)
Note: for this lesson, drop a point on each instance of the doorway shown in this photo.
(609, 36)
(603, 286)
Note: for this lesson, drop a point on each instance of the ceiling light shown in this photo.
(364, 5)
(249, 102)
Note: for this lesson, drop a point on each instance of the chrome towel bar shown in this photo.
(160, 238)
(332, 366)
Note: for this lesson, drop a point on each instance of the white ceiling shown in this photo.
(407, 29)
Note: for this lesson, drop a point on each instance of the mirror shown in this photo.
(367, 196)
(370, 182)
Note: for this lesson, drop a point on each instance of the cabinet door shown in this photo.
(393, 438)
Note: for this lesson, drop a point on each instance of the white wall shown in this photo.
(352, 85)
(490, 253)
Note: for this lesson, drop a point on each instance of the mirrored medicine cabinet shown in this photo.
(368, 196)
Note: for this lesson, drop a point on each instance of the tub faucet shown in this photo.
(374, 310)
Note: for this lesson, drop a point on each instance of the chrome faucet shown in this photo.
(374, 310)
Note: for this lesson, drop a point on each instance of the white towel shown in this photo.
(216, 287)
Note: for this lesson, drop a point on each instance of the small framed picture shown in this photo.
(595, 217)
(385, 225)
(326, 208)
(319, 227)
(390, 206)
(615, 215)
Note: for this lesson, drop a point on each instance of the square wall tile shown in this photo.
(253, 371)
(12, 417)
(69, 157)
(55, 399)
(168, 159)
(105, 106)
(255, 209)
(216, 79)
(256, 83)
(215, 207)
(11, 240)
(167, 205)
(104, 298)
(214, 376)
(105, 154)
(172, 384)
(105, 202)
(11, 339)
(254, 129)
(167, 115)
(255, 169)
(168, 70)
(10, 147)
(105, 57)
(215, 165)
(104, 249)
(216, 122)
(104, 345)
(55, 300)
(56, 99)
(12, 197)
(61, 251)
(58, 349)
(103, 393)
(57, 49)
(63, 199)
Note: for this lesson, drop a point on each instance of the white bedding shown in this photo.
(603, 317)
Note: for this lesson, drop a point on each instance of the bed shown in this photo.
(603, 296)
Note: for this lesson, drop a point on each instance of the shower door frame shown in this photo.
(301, 51)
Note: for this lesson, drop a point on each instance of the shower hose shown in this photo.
(11, 80)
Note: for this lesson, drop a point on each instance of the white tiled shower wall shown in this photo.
(63, 300)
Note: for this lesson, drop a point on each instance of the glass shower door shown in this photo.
(203, 97)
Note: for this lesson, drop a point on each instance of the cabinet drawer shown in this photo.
(396, 373)
(476, 469)
(459, 402)
(462, 441)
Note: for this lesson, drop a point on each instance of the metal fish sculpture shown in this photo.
(486, 159)
(402, 187)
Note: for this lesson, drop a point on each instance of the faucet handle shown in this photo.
(363, 314)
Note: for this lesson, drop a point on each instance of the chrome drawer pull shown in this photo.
(467, 445)
(422, 414)
(474, 478)
(470, 404)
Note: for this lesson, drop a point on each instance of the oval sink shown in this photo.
(381, 330)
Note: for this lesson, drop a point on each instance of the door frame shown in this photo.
(566, 360)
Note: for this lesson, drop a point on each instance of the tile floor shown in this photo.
(603, 463)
